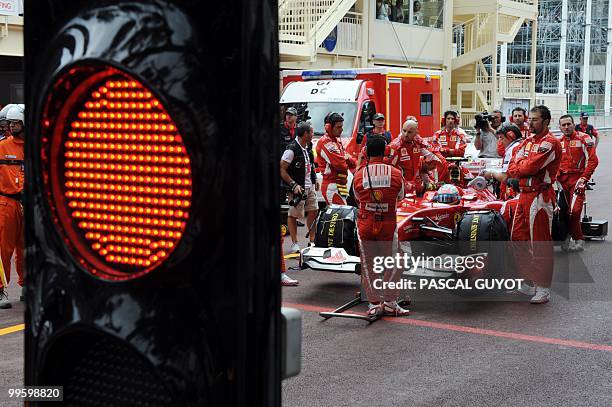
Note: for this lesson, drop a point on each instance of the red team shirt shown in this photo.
(449, 143)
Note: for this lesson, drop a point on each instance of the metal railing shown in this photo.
(350, 33)
(482, 75)
(300, 20)
(515, 84)
(506, 23)
(473, 33)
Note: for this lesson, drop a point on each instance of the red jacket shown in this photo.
(579, 156)
(449, 144)
(406, 155)
(387, 188)
(536, 162)
(525, 130)
(331, 160)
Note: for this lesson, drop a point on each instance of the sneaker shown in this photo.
(4, 301)
(300, 224)
(578, 246)
(567, 244)
(525, 289)
(392, 308)
(295, 248)
(287, 281)
(374, 310)
(541, 296)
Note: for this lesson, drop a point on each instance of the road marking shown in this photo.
(11, 329)
(471, 330)
(292, 256)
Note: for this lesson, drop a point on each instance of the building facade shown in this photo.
(11, 52)
(462, 38)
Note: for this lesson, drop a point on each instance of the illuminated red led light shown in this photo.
(121, 183)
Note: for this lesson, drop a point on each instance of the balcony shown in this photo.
(518, 8)
(304, 24)
(349, 36)
(406, 44)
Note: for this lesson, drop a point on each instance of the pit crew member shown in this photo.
(405, 153)
(519, 118)
(535, 165)
(378, 187)
(334, 163)
(578, 163)
(450, 140)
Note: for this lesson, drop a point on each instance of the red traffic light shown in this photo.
(119, 174)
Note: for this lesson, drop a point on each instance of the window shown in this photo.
(367, 112)
(315, 112)
(426, 104)
(426, 13)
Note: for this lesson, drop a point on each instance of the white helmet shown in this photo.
(4, 111)
(448, 194)
(16, 112)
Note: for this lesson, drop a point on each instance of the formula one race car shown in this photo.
(435, 224)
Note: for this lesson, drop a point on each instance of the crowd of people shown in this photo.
(535, 162)
(11, 189)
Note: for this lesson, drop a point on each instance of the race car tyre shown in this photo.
(560, 223)
(350, 199)
(483, 232)
(337, 227)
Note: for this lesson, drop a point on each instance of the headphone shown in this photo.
(510, 128)
(453, 113)
(503, 118)
(328, 124)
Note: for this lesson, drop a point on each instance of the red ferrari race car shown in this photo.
(435, 224)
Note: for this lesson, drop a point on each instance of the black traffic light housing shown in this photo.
(202, 328)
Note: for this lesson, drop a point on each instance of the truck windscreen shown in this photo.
(315, 112)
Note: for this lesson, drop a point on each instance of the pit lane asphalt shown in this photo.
(519, 355)
(11, 344)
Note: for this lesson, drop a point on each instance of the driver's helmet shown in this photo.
(448, 194)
